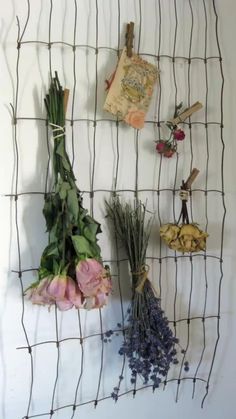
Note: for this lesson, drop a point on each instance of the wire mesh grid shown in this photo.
(201, 321)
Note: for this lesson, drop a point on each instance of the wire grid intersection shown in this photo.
(157, 123)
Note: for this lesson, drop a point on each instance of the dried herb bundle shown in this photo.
(149, 343)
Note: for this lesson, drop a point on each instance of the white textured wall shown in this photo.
(40, 325)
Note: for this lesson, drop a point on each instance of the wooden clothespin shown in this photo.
(191, 178)
(186, 113)
(129, 38)
(66, 98)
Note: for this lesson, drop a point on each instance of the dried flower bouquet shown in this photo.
(185, 237)
(71, 272)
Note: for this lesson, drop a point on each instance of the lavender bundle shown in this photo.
(149, 343)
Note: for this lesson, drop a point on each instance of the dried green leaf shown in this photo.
(60, 150)
(63, 190)
(72, 204)
(82, 246)
(51, 250)
(90, 232)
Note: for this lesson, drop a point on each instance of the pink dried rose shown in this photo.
(73, 293)
(64, 304)
(60, 290)
(93, 279)
(135, 118)
(92, 287)
(57, 287)
(96, 302)
(37, 293)
(100, 299)
(178, 134)
(65, 292)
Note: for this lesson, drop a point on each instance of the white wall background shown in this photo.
(40, 325)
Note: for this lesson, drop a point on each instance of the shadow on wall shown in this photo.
(5, 31)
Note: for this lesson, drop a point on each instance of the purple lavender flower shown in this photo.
(149, 342)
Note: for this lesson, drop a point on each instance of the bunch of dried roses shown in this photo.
(71, 271)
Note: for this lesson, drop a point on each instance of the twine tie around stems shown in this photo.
(184, 195)
(142, 276)
(57, 128)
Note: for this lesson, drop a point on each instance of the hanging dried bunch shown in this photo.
(185, 237)
(149, 343)
(71, 272)
(168, 146)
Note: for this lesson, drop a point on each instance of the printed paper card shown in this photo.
(131, 90)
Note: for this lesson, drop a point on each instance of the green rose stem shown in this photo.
(56, 105)
(72, 232)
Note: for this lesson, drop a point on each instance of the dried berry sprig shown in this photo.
(168, 147)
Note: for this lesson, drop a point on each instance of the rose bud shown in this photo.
(57, 287)
(169, 153)
(160, 147)
(38, 293)
(179, 134)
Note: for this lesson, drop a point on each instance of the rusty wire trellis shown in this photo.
(203, 317)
